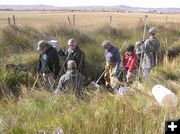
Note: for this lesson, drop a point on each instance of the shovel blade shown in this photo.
(94, 85)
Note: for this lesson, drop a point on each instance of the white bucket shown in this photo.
(164, 96)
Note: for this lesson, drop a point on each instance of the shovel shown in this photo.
(35, 83)
(95, 84)
(139, 85)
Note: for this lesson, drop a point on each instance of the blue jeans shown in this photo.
(146, 72)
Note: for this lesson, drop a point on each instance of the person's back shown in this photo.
(150, 49)
(72, 81)
(130, 61)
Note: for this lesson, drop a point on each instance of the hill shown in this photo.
(118, 8)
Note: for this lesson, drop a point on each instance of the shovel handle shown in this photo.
(100, 76)
(35, 83)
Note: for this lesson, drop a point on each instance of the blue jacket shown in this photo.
(112, 55)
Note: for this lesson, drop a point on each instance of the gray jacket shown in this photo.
(150, 49)
(72, 81)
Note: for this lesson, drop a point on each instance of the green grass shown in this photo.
(136, 113)
(97, 112)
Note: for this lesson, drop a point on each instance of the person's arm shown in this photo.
(39, 65)
(124, 60)
(158, 52)
(61, 53)
(56, 66)
(118, 57)
(59, 87)
(118, 62)
(81, 63)
(144, 46)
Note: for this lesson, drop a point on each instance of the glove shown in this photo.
(56, 92)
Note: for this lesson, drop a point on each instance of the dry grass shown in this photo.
(84, 20)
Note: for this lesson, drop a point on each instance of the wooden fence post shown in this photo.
(69, 20)
(110, 19)
(9, 21)
(74, 19)
(166, 20)
(14, 20)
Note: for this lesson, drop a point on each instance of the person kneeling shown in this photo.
(72, 81)
(130, 62)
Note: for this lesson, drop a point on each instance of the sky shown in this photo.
(134, 3)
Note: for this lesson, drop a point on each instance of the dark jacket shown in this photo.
(49, 62)
(112, 55)
(77, 56)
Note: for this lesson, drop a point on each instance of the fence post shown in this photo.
(14, 20)
(166, 20)
(9, 21)
(74, 19)
(69, 20)
(110, 19)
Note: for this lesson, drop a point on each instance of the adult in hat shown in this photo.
(73, 52)
(48, 65)
(113, 61)
(151, 49)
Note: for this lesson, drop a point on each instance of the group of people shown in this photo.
(49, 67)
(141, 56)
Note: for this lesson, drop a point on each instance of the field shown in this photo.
(99, 112)
(84, 20)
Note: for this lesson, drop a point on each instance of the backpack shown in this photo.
(54, 43)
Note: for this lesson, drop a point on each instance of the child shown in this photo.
(130, 62)
(138, 51)
(138, 48)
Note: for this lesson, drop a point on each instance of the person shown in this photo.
(150, 48)
(138, 51)
(48, 65)
(73, 52)
(130, 63)
(113, 61)
(73, 80)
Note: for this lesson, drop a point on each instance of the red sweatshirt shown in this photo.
(130, 61)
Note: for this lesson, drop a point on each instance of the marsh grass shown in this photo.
(99, 112)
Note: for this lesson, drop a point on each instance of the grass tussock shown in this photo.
(98, 113)
(103, 114)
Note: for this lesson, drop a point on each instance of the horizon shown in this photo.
(84, 6)
(84, 3)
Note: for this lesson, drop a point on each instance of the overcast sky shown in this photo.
(138, 3)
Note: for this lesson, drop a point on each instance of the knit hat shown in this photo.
(71, 64)
(130, 48)
(153, 30)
